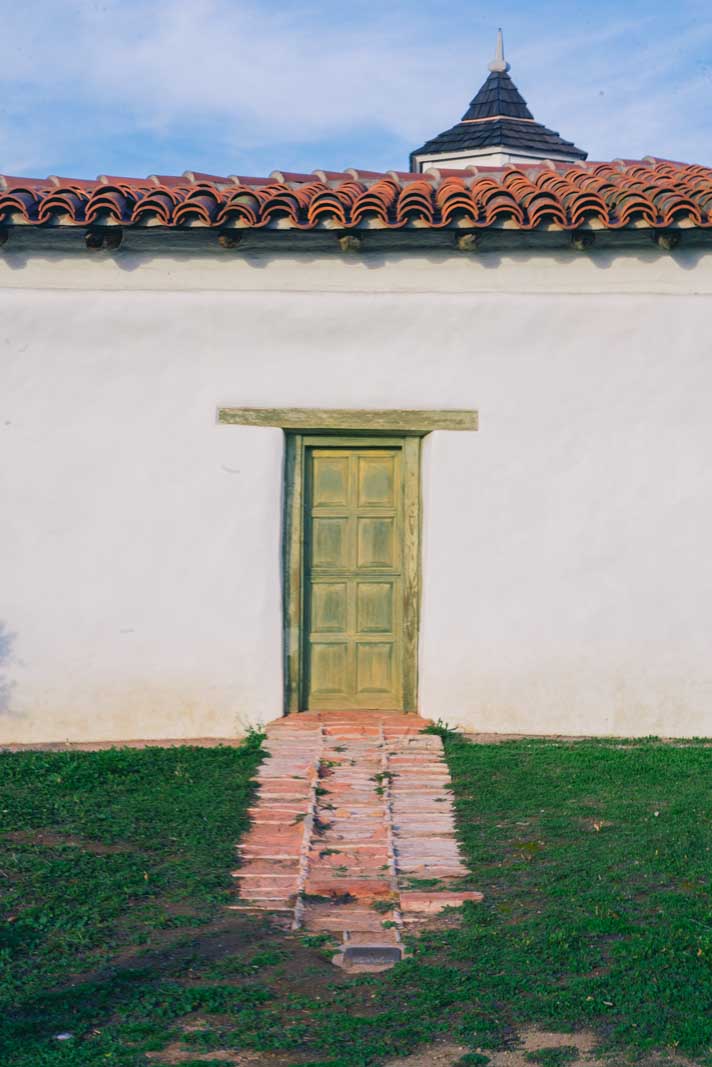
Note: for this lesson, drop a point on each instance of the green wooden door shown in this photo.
(353, 577)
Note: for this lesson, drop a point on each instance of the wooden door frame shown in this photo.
(293, 552)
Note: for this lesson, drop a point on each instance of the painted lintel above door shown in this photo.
(408, 421)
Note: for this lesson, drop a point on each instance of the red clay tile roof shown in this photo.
(625, 193)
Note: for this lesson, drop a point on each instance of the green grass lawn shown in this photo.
(595, 859)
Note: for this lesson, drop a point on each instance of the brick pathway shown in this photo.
(353, 809)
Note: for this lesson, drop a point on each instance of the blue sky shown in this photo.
(132, 87)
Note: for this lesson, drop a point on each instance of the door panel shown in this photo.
(331, 480)
(329, 607)
(374, 668)
(330, 542)
(376, 542)
(353, 526)
(330, 669)
(374, 607)
(376, 480)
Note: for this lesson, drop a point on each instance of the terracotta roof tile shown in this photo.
(332, 175)
(611, 195)
(238, 179)
(196, 176)
(6, 182)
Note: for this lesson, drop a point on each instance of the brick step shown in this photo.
(368, 869)
(270, 783)
(432, 870)
(386, 936)
(283, 868)
(440, 806)
(418, 834)
(355, 811)
(266, 906)
(354, 837)
(407, 824)
(424, 761)
(409, 819)
(258, 884)
(344, 924)
(355, 872)
(267, 853)
(291, 770)
(423, 790)
(437, 860)
(269, 830)
(269, 903)
(285, 794)
(277, 810)
(429, 845)
(361, 888)
(434, 901)
(427, 854)
(371, 828)
(337, 853)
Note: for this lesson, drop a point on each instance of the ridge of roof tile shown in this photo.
(406, 176)
(331, 175)
(8, 181)
(365, 175)
(241, 179)
(169, 181)
(613, 195)
(74, 183)
(111, 179)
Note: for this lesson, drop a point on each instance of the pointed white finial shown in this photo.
(499, 65)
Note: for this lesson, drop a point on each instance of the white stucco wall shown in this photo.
(567, 573)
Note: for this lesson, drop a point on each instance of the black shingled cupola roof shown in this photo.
(497, 120)
(498, 96)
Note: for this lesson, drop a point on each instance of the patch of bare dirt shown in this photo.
(498, 739)
(446, 920)
(212, 942)
(175, 1053)
(531, 1041)
(103, 746)
(433, 1056)
(184, 956)
(595, 825)
(625, 742)
(48, 839)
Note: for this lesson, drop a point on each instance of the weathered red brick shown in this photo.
(431, 903)
(360, 888)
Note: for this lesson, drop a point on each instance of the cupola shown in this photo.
(496, 129)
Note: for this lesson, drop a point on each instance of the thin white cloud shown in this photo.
(273, 75)
(641, 91)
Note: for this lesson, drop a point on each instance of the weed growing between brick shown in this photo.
(595, 859)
